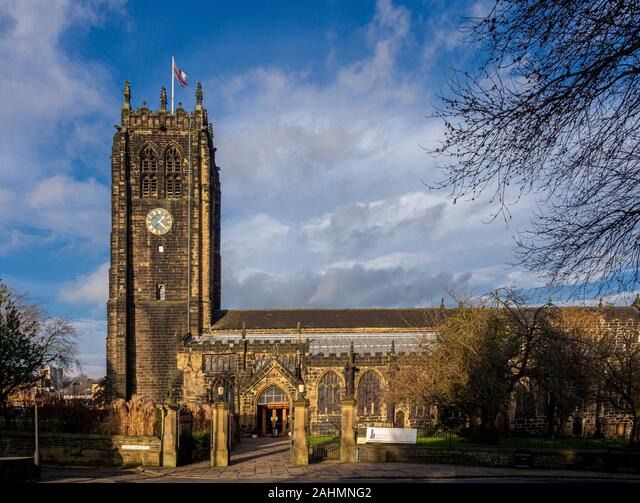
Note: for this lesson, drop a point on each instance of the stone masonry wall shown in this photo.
(84, 449)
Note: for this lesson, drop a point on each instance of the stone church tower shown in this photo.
(164, 280)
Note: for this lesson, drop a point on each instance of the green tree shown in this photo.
(473, 360)
(30, 340)
(478, 355)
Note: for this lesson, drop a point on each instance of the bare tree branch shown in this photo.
(553, 110)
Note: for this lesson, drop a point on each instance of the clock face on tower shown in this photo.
(159, 221)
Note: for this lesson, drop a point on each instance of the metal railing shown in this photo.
(325, 449)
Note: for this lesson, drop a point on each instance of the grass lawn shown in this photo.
(322, 439)
(454, 441)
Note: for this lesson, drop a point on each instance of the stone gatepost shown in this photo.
(169, 442)
(348, 431)
(300, 451)
(220, 434)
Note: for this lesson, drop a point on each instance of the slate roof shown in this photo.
(323, 318)
(335, 319)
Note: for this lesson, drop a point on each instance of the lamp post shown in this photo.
(36, 399)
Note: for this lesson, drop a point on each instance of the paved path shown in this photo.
(267, 460)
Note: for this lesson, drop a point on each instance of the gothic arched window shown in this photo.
(417, 411)
(259, 362)
(369, 393)
(288, 361)
(172, 168)
(273, 395)
(148, 173)
(329, 394)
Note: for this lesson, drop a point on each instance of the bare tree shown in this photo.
(565, 365)
(474, 360)
(553, 109)
(620, 365)
(30, 340)
(479, 355)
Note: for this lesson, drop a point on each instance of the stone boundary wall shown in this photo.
(603, 460)
(83, 449)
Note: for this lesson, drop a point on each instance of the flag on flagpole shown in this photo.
(180, 75)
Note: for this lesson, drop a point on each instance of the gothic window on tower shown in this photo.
(369, 393)
(160, 292)
(172, 168)
(329, 394)
(148, 173)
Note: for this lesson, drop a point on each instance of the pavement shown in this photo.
(267, 460)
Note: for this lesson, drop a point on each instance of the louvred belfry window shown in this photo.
(148, 173)
(172, 164)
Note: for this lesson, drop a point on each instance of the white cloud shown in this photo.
(355, 228)
(406, 260)
(50, 101)
(55, 208)
(347, 286)
(290, 142)
(404, 250)
(324, 182)
(88, 289)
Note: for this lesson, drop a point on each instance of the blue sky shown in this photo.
(320, 112)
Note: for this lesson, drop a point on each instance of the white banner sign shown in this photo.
(133, 447)
(391, 435)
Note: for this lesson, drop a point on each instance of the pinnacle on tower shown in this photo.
(199, 95)
(163, 99)
(127, 95)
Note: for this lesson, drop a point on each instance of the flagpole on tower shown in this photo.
(173, 77)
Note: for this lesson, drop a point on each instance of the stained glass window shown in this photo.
(273, 394)
(329, 394)
(369, 393)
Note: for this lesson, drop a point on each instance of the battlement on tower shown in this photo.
(163, 119)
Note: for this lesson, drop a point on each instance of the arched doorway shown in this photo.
(273, 412)
(577, 426)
